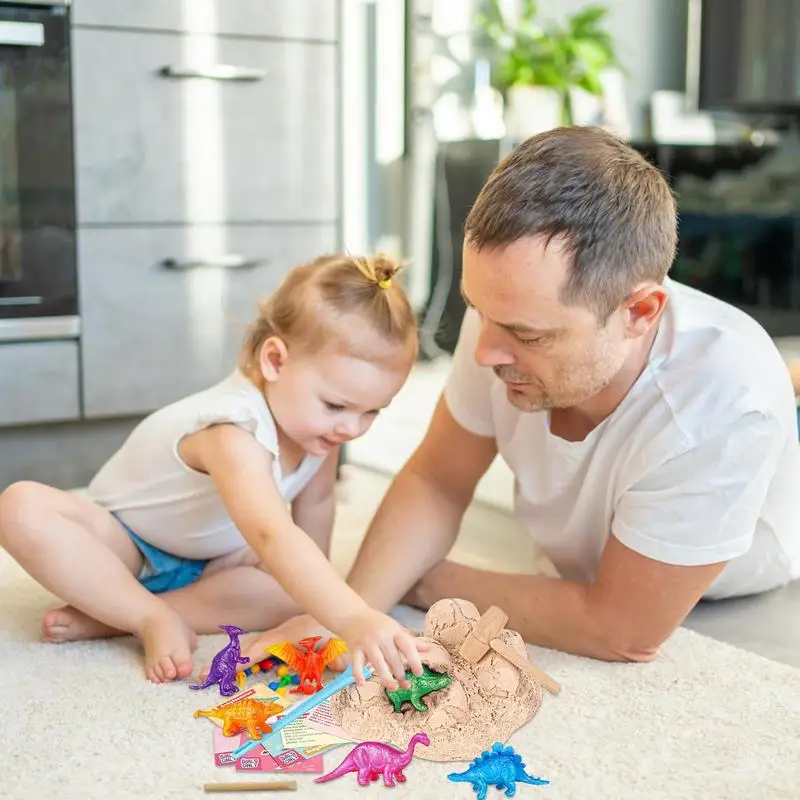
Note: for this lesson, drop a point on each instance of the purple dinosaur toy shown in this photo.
(373, 759)
(223, 665)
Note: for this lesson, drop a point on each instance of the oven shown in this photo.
(38, 260)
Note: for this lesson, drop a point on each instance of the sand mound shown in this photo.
(485, 703)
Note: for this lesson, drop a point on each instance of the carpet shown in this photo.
(705, 720)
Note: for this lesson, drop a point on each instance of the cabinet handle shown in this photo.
(215, 72)
(219, 262)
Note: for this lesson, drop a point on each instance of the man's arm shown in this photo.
(671, 536)
(418, 521)
(632, 607)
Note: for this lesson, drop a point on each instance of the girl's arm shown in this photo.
(242, 472)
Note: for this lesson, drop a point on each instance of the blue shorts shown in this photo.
(162, 571)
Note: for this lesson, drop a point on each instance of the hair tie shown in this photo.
(385, 283)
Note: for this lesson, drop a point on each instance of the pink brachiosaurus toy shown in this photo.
(373, 759)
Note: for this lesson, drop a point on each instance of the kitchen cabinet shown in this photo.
(207, 139)
(38, 382)
(157, 149)
(165, 309)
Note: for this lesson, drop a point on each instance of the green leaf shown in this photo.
(547, 75)
(530, 8)
(588, 18)
(593, 55)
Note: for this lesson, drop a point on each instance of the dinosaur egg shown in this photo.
(449, 621)
(497, 677)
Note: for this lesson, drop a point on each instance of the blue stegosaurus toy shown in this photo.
(501, 767)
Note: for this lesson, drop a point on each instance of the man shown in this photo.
(651, 428)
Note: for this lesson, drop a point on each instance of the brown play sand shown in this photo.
(485, 703)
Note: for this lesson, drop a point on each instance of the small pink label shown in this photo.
(258, 759)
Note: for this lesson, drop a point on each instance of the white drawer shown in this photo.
(38, 382)
(156, 149)
(152, 333)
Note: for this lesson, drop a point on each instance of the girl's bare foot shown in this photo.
(168, 646)
(67, 624)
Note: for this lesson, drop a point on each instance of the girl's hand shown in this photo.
(378, 640)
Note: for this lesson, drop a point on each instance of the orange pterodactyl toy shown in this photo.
(308, 663)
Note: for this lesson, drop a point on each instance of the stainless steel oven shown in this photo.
(38, 262)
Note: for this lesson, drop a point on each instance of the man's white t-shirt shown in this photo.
(700, 463)
(172, 506)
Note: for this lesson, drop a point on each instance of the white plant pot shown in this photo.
(531, 110)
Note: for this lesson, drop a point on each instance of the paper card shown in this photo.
(299, 735)
(258, 759)
(321, 719)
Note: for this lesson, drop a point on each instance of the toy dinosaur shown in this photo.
(502, 767)
(223, 665)
(373, 759)
(308, 663)
(246, 714)
(421, 685)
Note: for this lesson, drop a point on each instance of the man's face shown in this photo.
(549, 355)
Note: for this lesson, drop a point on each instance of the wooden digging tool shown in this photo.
(264, 786)
(484, 637)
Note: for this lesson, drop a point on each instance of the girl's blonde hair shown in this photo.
(315, 302)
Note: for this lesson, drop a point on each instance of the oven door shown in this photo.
(38, 273)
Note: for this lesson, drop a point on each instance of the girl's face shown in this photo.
(322, 400)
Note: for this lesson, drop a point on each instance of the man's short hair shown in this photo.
(613, 209)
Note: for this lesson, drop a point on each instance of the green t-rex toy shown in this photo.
(421, 685)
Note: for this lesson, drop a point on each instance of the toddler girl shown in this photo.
(218, 508)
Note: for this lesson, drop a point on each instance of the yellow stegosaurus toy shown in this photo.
(246, 714)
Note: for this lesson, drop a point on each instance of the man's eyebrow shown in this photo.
(518, 328)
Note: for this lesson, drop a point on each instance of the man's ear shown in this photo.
(644, 305)
(272, 357)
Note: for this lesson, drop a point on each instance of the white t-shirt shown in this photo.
(700, 462)
(172, 506)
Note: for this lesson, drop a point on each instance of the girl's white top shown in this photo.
(172, 506)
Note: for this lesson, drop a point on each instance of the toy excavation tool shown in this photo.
(304, 706)
(484, 638)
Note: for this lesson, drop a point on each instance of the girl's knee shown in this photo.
(21, 504)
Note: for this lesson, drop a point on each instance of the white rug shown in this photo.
(705, 721)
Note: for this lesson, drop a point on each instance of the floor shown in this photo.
(768, 625)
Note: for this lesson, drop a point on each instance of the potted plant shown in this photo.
(540, 63)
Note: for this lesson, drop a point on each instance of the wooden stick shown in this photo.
(540, 676)
(244, 786)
